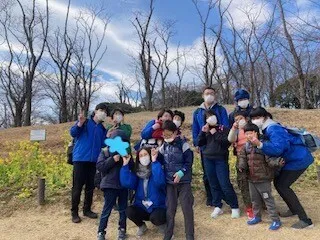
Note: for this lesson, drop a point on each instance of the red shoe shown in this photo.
(249, 212)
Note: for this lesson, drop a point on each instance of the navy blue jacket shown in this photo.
(199, 119)
(89, 141)
(280, 143)
(110, 170)
(237, 109)
(176, 156)
(156, 190)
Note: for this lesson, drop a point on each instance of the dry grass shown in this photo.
(53, 220)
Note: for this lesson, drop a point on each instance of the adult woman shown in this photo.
(279, 143)
(148, 181)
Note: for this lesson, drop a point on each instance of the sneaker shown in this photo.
(90, 214)
(122, 234)
(286, 214)
(162, 228)
(216, 212)
(275, 225)
(302, 224)
(142, 229)
(76, 218)
(254, 221)
(249, 212)
(101, 236)
(235, 213)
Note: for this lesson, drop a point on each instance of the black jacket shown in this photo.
(215, 146)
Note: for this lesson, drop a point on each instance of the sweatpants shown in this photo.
(184, 193)
(283, 184)
(261, 192)
(138, 215)
(83, 174)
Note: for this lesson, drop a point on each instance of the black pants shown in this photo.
(282, 183)
(206, 183)
(83, 174)
(138, 215)
(184, 193)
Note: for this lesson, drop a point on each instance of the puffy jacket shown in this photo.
(147, 131)
(89, 139)
(110, 170)
(215, 146)
(176, 156)
(237, 109)
(156, 186)
(280, 143)
(261, 167)
(199, 119)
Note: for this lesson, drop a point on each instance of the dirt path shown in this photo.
(53, 222)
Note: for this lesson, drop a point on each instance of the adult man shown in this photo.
(210, 103)
(89, 137)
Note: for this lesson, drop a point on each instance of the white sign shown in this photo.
(38, 135)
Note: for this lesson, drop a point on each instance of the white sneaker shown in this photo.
(141, 230)
(216, 212)
(235, 213)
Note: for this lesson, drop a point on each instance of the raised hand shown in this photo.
(126, 160)
(205, 128)
(81, 119)
(154, 154)
(116, 158)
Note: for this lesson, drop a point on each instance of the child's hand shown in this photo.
(255, 141)
(126, 160)
(154, 154)
(177, 176)
(205, 128)
(156, 126)
(235, 125)
(213, 131)
(116, 158)
(282, 162)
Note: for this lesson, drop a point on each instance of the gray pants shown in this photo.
(261, 192)
(184, 193)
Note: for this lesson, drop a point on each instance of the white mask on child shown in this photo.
(259, 122)
(145, 161)
(243, 103)
(101, 116)
(177, 123)
(242, 123)
(212, 120)
(168, 140)
(118, 118)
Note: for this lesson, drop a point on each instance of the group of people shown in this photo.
(161, 173)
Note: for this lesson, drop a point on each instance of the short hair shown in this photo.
(116, 110)
(169, 125)
(162, 111)
(240, 113)
(208, 87)
(209, 113)
(103, 106)
(180, 114)
(260, 112)
(251, 127)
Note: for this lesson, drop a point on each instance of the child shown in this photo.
(149, 182)
(177, 158)
(238, 138)
(214, 140)
(109, 166)
(260, 174)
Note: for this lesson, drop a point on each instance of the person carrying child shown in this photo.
(109, 164)
(260, 170)
(177, 158)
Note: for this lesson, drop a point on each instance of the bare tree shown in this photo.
(181, 66)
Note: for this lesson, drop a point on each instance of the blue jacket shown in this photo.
(199, 119)
(147, 131)
(176, 156)
(89, 139)
(280, 143)
(156, 186)
(231, 115)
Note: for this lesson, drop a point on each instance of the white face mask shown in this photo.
(259, 122)
(242, 123)
(212, 121)
(118, 118)
(145, 161)
(209, 99)
(177, 123)
(168, 140)
(101, 115)
(243, 103)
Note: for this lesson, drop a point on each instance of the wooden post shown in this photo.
(41, 191)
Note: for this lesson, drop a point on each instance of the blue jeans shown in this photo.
(110, 198)
(219, 181)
